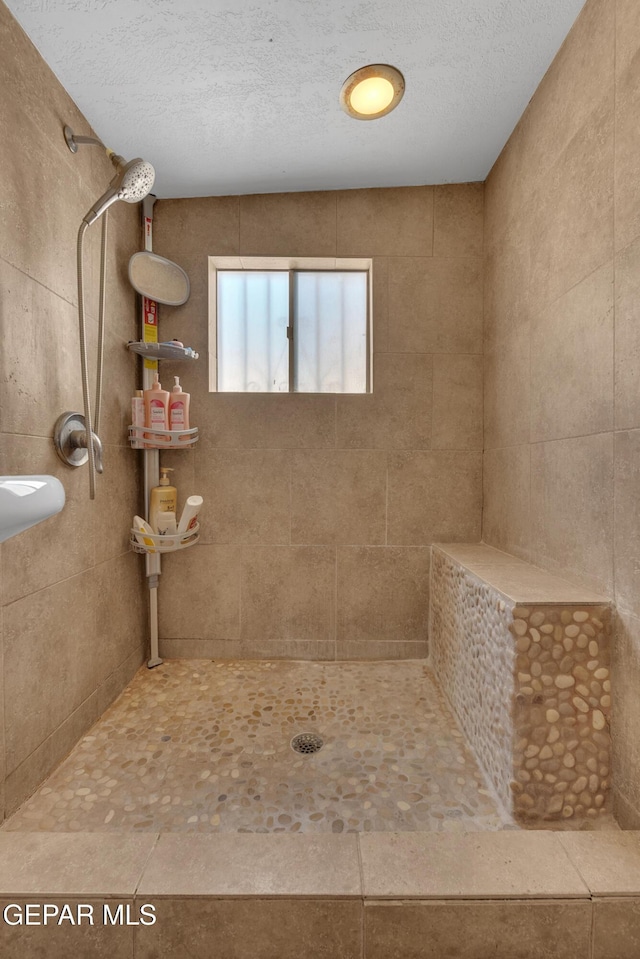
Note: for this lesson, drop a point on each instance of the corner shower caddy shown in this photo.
(153, 441)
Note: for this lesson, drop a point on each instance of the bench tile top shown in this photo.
(519, 581)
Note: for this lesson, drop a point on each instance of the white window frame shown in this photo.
(286, 264)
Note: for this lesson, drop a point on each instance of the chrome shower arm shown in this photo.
(74, 139)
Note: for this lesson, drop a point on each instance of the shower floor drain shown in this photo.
(307, 743)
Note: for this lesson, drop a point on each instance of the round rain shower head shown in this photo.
(135, 181)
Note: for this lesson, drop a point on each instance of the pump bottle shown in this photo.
(179, 408)
(156, 409)
(163, 499)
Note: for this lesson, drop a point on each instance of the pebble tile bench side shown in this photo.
(528, 682)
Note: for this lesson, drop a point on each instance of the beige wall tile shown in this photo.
(572, 361)
(60, 941)
(383, 595)
(578, 80)
(556, 929)
(119, 496)
(338, 496)
(627, 27)
(288, 224)
(627, 520)
(435, 305)
(616, 928)
(121, 611)
(30, 82)
(627, 337)
(458, 219)
(287, 593)
(200, 594)
(40, 226)
(297, 649)
(504, 187)
(205, 225)
(23, 781)
(122, 675)
(123, 240)
(251, 493)
(63, 545)
(3, 770)
(267, 420)
(571, 231)
(397, 414)
(51, 670)
(457, 402)
(50, 661)
(40, 360)
(627, 145)
(625, 714)
(572, 508)
(507, 285)
(625, 813)
(380, 303)
(364, 649)
(386, 222)
(253, 929)
(506, 512)
(434, 496)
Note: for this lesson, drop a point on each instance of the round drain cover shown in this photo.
(306, 743)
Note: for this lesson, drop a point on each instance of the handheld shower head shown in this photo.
(137, 181)
(133, 181)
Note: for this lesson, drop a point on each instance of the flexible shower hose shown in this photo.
(83, 362)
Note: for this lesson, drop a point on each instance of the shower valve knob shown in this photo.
(70, 438)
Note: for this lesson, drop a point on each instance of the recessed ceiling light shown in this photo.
(372, 91)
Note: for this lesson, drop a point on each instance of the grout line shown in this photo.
(433, 221)
(362, 898)
(335, 605)
(146, 862)
(614, 504)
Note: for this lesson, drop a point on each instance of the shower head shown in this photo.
(133, 181)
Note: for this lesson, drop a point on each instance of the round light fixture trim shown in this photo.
(372, 91)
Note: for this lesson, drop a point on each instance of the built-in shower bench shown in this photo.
(523, 657)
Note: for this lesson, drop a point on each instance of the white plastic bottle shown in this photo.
(179, 408)
(137, 419)
(141, 526)
(190, 512)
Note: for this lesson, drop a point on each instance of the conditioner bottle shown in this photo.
(179, 408)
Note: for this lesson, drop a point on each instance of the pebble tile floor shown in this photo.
(200, 746)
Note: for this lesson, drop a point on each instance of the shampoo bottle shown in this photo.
(179, 408)
(156, 408)
(164, 498)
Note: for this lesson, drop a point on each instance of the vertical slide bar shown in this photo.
(151, 457)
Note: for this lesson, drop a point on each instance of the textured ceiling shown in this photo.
(241, 96)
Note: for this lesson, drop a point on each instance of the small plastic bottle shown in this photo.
(137, 419)
(179, 408)
(156, 408)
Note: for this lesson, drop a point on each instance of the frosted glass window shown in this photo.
(330, 338)
(304, 331)
(253, 315)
